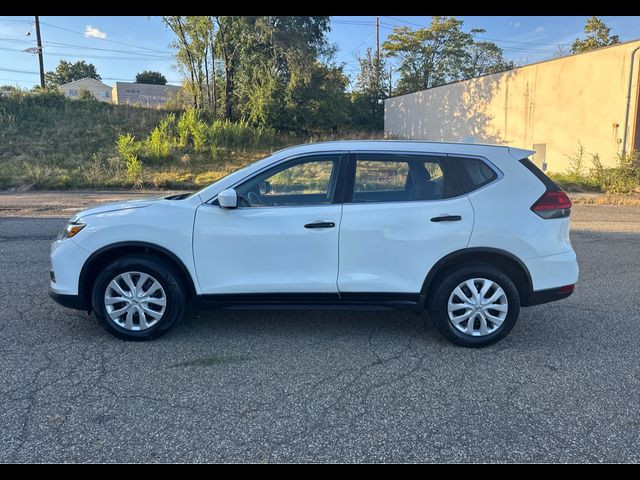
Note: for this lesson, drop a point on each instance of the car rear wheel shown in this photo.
(475, 305)
(138, 297)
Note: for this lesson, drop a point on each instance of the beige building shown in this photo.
(143, 94)
(550, 107)
(98, 89)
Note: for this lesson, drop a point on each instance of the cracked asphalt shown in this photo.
(351, 386)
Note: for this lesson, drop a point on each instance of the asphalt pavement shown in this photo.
(234, 386)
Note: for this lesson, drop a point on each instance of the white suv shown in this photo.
(469, 232)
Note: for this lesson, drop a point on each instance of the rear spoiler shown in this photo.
(520, 153)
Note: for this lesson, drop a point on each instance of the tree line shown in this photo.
(280, 71)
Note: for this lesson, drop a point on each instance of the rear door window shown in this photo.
(402, 178)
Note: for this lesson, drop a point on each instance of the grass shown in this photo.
(623, 179)
(606, 199)
(50, 142)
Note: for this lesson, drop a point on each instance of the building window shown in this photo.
(106, 94)
(73, 92)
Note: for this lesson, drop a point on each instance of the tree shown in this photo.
(151, 78)
(485, 58)
(319, 103)
(252, 63)
(441, 53)
(67, 72)
(232, 32)
(367, 110)
(192, 45)
(428, 56)
(597, 35)
(280, 58)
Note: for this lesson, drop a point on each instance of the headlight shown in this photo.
(71, 230)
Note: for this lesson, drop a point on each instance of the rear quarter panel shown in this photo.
(503, 216)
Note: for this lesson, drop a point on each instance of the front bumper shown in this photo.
(69, 301)
(67, 259)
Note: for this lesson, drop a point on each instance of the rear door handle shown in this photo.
(447, 218)
(320, 225)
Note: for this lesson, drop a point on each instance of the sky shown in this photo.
(120, 47)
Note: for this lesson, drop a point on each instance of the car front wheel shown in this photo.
(475, 306)
(138, 297)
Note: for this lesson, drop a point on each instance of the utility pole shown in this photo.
(40, 59)
(378, 40)
(377, 66)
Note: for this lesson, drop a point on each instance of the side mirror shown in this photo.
(228, 198)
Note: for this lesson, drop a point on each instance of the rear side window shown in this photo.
(474, 173)
(403, 178)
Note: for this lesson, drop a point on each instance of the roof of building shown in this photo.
(146, 85)
(83, 79)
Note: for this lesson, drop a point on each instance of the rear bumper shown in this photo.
(552, 277)
(68, 301)
(545, 296)
(553, 271)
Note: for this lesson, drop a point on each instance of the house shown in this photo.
(98, 89)
(143, 94)
(589, 98)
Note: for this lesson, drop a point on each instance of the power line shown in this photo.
(18, 71)
(14, 20)
(486, 38)
(104, 57)
(102, 39)
(137, 55)
(405, 21)
(14, 80)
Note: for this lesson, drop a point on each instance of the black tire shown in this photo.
(440, 299)
(163, 272)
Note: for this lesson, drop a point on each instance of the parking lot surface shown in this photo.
(330, 386)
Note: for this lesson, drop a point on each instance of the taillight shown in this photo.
(552, 205)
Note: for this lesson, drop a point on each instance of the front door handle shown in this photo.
(447, 218)
(320, 225)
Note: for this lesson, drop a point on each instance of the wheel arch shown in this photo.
(511, 265)
(104, 255)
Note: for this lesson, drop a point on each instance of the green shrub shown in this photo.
(161, 140)
(200, 135)
(127, 146)
(226, 134)
(134, 170)
(624, 178)
(187, 125)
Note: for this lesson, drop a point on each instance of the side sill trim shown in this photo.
(315, 301)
